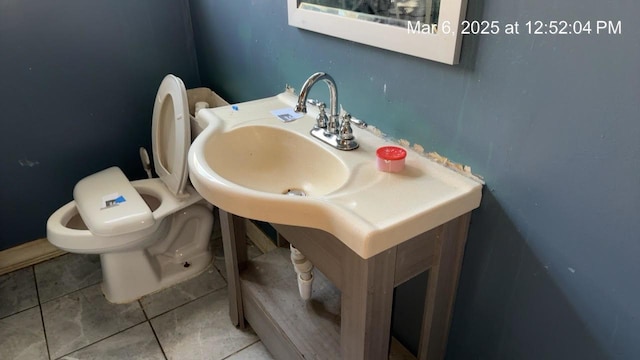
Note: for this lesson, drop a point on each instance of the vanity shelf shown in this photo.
(349, 313)
(311, 329)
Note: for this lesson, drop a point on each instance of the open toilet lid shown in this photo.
(171, 134)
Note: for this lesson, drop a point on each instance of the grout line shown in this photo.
(44, 329)
(62, 295)
(152, 329)
(142, 308)
(220, 273)
(157, 339)
(18, 312)
(69, 293)
(240, 350)
(148, 319)
(105, 338)
(188, 302)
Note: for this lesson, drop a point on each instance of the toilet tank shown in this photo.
(197, 95)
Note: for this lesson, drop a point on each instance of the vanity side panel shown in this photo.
(416, 255)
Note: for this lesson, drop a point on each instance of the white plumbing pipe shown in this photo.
(304, 272)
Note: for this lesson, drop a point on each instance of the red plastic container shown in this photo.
(390, 158)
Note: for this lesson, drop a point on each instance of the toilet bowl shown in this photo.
(150, 234)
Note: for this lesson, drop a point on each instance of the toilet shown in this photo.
(151, 233)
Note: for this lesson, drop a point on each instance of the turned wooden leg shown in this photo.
(442, 287)
(235, 257)
(367, 299)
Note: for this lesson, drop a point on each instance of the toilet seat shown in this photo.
(111, 206)
(171, 135)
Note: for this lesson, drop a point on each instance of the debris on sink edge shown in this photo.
(433, 156)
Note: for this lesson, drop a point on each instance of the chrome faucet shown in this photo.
(332, 131)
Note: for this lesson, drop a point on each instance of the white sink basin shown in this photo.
(246, 161)
(275, 160)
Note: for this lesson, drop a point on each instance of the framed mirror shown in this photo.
(429, 29)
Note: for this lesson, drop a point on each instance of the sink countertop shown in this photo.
(370, 213)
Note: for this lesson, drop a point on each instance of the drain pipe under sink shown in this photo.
(304, 272)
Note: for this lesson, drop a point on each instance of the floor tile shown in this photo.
(167, 299)
(201, 330)
(256, 351)
(218, 255)
(67, 273)
(17, 291)
(219, 264)
(136, 343)
(22, 336)
(84, 317)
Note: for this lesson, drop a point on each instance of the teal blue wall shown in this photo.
(551, 122)
(77, 85)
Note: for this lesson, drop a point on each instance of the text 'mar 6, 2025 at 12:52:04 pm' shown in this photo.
(529, 27)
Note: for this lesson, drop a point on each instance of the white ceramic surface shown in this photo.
(171, 134)
(152, 228)
(275, 160)
(369, 210)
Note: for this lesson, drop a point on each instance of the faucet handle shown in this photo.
(359, 123)
(345, 132)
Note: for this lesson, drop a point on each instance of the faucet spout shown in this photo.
(301, 106)
(336, 134)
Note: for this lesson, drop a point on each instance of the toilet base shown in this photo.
(124, 280)
(179, 254)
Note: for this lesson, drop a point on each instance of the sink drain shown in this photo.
(295, 192)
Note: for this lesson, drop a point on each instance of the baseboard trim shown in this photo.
(40, 250)
(27, 254)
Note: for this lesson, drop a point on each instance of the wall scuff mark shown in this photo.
(28, 163)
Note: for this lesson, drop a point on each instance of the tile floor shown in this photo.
(56, 310)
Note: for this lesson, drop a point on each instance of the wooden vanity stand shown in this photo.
(349, 313)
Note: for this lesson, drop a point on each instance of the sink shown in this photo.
(275, 160)
(248, 162)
